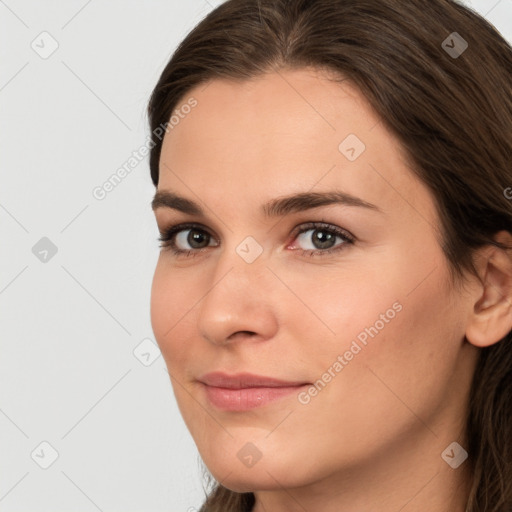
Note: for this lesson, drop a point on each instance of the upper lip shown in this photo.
(245, 380)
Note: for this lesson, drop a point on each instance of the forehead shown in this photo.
(284, 132)
(275, 108)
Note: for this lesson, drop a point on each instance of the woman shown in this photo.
(333, 293)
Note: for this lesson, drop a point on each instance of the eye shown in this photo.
(182, 234)
(322, 239)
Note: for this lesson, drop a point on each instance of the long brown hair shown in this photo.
(449, 105)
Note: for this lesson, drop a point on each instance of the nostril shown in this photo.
(239, 333)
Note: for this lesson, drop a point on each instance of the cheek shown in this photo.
(408, 363)
(169, 307)
(385, 320)
(160, 310)
(334, 306)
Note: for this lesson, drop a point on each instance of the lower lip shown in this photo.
(247, 398)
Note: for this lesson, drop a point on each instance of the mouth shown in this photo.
(246, 391)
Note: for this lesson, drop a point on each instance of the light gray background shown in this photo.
(72, 326)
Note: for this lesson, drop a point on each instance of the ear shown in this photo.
(491, 318)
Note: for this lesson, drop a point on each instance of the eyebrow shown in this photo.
(274, 208)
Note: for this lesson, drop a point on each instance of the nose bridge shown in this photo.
(242, 263)
(238, 298)
(239, 276)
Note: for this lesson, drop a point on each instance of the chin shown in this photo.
(263, 476)
(251, 483)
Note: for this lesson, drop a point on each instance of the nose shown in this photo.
(238, 303)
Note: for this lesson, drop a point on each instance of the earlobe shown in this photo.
(491, 318)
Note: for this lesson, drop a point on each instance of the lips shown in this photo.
(245, 391)
(246, 380)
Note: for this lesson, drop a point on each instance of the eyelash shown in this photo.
(167, 242)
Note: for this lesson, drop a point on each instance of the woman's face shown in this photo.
(370, 326)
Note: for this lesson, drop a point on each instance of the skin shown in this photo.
(373, 436)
